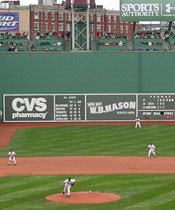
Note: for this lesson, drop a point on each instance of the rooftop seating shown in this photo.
(48, 42)
(13, 42)
(148, 41)
(172, 41)
(111, 42)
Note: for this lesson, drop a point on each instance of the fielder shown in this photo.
(67, 185)
(11, 156)
(151, 149)
(137, 121)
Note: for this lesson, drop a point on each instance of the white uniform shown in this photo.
(11, 156)
(67, 185)
(137, 120)
(151, 149)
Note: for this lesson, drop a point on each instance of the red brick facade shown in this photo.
(55, 18)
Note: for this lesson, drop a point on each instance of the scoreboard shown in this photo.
(156, 107)
(87, 107)
(69, 107)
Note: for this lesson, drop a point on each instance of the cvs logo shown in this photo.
(20, 104)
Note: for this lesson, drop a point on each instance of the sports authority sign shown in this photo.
(147, 10)
(9, 21)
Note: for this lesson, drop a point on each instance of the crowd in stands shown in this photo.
(13, 35)
(107, 40)
(149, 43)
(48, 35)
(110, 36)
(45, 42)
(172, 35)
(148, 35)
(54, 41)
(13, 41)
(12, 46)
(172, 40)
(110, 43)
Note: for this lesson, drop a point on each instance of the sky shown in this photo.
(108, 4)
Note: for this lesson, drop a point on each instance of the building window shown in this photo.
(69, 17)
(109, 29)
(60, 27)
(98, 28)
(126, 29)
(53, 16)
(114, 18)
(98, 18)
(46, 16)
(109, 18)
(91, 17)
(53, 27)
(46, 27)
(36, 26)
(36, 15)
(92, 27)
(68, 27)
(61, 16)
(121, 29)
(114, 29)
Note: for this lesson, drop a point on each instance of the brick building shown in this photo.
(55, 18)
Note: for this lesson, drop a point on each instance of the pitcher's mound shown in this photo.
(83, 197)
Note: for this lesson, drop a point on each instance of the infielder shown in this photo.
(151, 149)
(67, 185)
(11, 156)
(137, 121)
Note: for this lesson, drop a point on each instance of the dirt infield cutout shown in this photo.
(83, 197)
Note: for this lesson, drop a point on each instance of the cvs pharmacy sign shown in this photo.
(28, 107)
(33, 104)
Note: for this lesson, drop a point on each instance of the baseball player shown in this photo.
(137, 121)
(67, 185)
(11, 156)
(151, 149)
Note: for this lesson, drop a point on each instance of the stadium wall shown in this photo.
(119, 72)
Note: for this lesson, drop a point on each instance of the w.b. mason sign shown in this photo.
(147, 10)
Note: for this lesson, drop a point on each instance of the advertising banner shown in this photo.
(111, 107)
(28, 108)
(4, 5)
(147, 10)
(87, 107)
(9, 21)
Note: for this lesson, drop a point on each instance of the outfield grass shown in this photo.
(92, 140)
(146, 192)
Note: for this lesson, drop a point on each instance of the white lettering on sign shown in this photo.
(112, 107)
(38, 104)
(29, 115)
(6, 18)
(140, 9)
(8, 22)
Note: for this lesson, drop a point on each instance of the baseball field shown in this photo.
(102, 158)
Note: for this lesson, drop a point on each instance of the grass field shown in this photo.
(137, 191)
(92, 140)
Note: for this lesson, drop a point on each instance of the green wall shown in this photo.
(120, 72)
